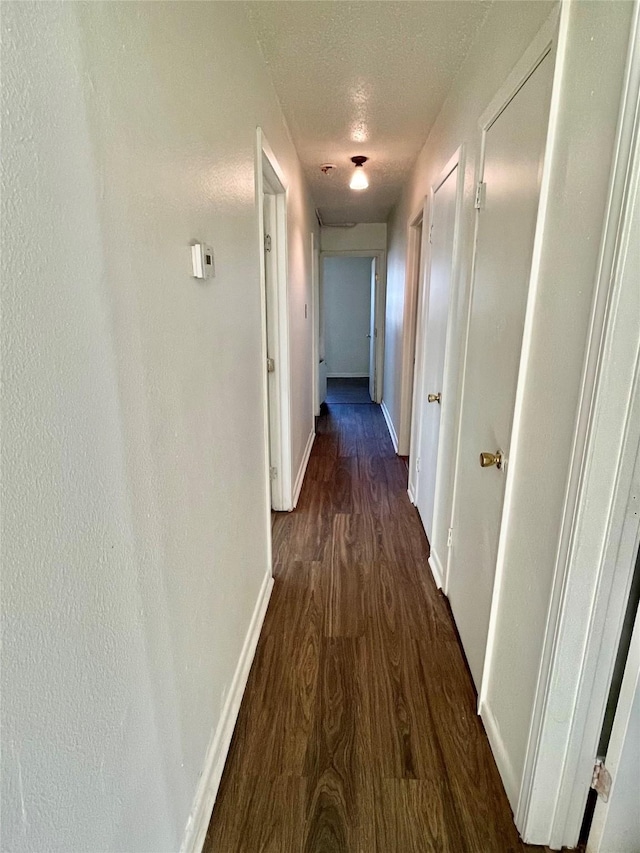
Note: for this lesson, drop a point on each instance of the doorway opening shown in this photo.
(350, 328)
(272, 223)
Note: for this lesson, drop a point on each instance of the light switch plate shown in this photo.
(202, 260)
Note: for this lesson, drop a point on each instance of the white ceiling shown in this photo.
(364, 77)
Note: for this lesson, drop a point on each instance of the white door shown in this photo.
(372, 329)
(443, 220)
(514, 150)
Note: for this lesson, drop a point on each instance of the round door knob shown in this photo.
(434, 398)
(489, 459)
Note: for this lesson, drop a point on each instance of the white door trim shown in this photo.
(270, 179)
(315, 325)
(600, 531)
(417, 251)
(413, 277)
(381, 297)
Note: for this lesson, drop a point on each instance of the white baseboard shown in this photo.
(436, 569)
(411, 493)
(303, 468)
(221, 740)
(390, 426)
(347, 375)
(505, 768)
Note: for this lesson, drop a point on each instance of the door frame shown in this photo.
(450, 414)
(373, 352)
(315, 324)
(601, 528)
(381, 299)
(417, 271)
(416, 250)
(270, 180)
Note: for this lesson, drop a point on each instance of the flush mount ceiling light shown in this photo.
(359, 179)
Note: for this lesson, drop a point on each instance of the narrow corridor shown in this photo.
(358, 731)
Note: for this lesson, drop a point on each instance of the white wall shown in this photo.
(135, 538)
(597, 46)
(364, 237)
(346, 292)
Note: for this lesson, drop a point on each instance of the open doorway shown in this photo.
(272, 221)
(350, 325)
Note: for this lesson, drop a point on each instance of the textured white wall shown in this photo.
(364, 237)
(346, 289)
(134, 498)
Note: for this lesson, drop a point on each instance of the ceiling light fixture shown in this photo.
(359, 179)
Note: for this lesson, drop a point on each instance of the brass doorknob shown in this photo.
(489, 459)
(434, 398)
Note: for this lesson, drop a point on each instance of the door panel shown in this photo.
(443, 220)
(514, 149)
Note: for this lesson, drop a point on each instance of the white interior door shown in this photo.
(514, 150)
(372, 329)
(442, 232)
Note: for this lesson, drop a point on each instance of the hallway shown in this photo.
(358, 731)
(182, 670)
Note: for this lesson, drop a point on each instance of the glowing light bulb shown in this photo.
(359, 179)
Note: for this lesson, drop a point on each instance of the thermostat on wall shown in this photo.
(202, 260)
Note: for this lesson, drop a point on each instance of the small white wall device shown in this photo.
(202, 260)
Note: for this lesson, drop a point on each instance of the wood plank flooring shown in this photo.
(358, 731)
(352, 391)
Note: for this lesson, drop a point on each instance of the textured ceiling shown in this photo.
(364, 77)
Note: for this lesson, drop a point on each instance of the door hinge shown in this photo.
(418, 465)
(273, 473)
(601, 780)
(481, 196)
(271, 365)
(267, 242)
(431, 233)
(450, 537)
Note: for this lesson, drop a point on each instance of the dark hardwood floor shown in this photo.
(358, 731)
